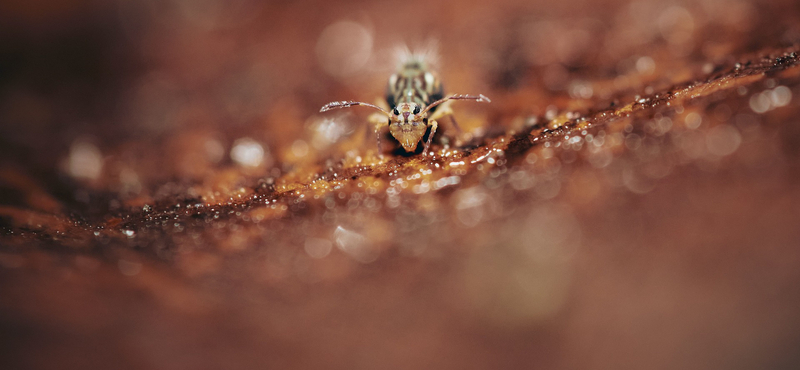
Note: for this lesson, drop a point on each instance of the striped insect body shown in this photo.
(412, 94)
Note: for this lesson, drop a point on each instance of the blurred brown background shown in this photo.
(170, 197)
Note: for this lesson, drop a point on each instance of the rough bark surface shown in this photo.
(171, 199)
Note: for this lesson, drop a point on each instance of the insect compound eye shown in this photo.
(416, 110)
(396, 112)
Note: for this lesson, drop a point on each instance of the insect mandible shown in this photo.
(413, 94)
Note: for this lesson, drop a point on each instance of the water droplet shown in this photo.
(328, 131)
(780, 96)
(693, 120)
(85, 160)
(760, 103)
(247, 152)
(645, 65)
(723, 140)
(214, 150)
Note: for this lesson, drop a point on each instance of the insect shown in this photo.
(413, 94)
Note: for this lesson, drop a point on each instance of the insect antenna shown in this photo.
(478, 98)
(347, 104)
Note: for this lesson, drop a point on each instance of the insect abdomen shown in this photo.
(413, 84)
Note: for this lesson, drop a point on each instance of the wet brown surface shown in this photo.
(170, 197)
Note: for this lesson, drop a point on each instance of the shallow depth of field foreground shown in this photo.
(171, 196)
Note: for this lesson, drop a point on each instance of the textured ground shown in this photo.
(170, 197)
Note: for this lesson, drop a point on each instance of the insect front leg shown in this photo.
(434, 125)
(446, 110)
(378, 121)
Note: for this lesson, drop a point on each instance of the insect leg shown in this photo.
(433, 125)
(378, 120)
(378, 139)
